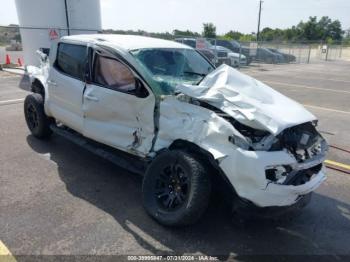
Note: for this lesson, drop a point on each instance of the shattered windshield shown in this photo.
(173, 66)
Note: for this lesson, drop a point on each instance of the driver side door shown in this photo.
(118, 107)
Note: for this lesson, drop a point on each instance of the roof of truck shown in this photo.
(128, 42)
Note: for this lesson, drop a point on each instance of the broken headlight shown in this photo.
(277, 174)
(285, 175)
(303, 141)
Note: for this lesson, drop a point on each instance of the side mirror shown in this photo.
(42, 56)
(140, 90)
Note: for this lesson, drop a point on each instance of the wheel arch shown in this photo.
(217, 174)
(37, 86)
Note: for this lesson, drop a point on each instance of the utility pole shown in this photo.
(67, 16)
(258, 33)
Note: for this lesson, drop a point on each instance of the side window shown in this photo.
(113, 74)
(190, 43)
(225, 44)
(71, 59)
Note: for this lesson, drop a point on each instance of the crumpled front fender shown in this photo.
(185, 121)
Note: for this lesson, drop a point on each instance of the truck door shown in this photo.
(118, 106)
(66, 85)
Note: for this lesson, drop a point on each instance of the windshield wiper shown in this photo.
(193, 73)
(197, 74)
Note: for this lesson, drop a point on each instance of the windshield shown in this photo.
(235, 44)
(173, 66)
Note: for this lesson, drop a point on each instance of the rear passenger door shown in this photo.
(118, 106)
(66, 85)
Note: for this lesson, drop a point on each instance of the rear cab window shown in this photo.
(71, 60)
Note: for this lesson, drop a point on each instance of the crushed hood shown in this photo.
(248, 100)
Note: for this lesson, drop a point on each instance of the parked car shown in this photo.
(236, 58)
(267, 56)
(287, 57)
(209, 54)
(235, 47)
(204, 46)
(159, 108)
(222, 55)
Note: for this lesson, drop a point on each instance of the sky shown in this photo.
(237, 15)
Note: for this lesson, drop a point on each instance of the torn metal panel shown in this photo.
(248, 100)
(181, 120)
(40, 73)
(246, 172)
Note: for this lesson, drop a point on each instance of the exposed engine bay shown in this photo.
(303, 141)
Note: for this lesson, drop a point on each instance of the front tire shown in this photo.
(37, 121)
(176, 188)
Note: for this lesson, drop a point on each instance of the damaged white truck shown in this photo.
(161, 109)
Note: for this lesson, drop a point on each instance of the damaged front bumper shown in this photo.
(246, 171)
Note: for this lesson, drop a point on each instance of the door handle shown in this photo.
(92, 98)
(52, 83)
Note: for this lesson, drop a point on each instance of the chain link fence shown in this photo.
(217, 50)
(241, 54)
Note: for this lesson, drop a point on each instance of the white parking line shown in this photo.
(309, 87)
(328, 109)
(13, 101)
(296, 70)
(304, 77)
(326, 79)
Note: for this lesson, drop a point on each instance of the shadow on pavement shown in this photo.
(320, 229)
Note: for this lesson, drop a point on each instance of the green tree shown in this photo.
(247, 38)
(291, 34)
(267, 34)
(177, 32)
(235, 35)
(334, 30)
(346, 40)
(310, 30)
(209, 30)
(313, 30)
(323, 29)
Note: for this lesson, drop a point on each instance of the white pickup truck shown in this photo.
(162, 109)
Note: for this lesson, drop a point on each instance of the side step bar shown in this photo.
(119, 158)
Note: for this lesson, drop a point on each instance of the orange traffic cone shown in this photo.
(19, 62)
(8, 60)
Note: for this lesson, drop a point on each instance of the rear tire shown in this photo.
(37, 121)
(176, 188)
